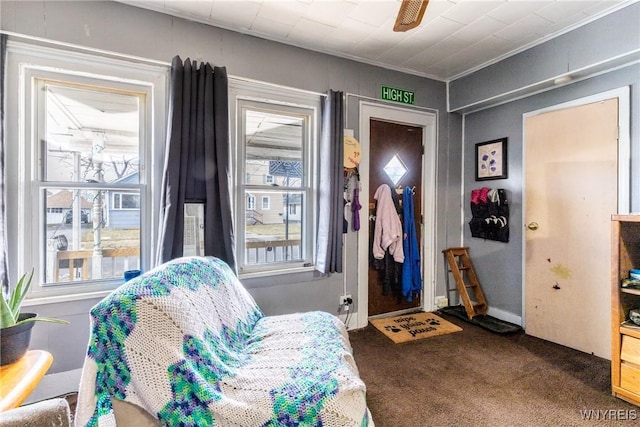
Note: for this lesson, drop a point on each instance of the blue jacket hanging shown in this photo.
(411, 274)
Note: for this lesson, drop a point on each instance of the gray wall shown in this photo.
(613, 39)
(499, 265)
(127, 30)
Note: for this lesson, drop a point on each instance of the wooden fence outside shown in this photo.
(265, 251)
(78, 262)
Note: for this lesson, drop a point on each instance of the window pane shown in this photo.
(273, 144)
(193, 242)
(251, 203)
(276, 141)
(395, 169)
(275, 235)
(90, 135)
(126, 201)
(86, 238)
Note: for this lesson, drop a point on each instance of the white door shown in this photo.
(571, 191)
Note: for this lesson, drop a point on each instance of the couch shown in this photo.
(185, 344)
(50, 412)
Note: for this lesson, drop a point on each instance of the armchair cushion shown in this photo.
(51, 412)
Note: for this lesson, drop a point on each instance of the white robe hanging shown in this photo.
(388, 229)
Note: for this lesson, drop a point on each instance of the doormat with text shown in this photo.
(413, 327)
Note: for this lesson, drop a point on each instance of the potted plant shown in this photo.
(15, 326)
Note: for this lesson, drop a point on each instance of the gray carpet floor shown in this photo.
(480, 378)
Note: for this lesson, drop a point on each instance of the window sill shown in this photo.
(280, 272)
(56, 299)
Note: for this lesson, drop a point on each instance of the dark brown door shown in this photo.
(404, 143)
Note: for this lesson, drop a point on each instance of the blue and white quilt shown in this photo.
(188, 344)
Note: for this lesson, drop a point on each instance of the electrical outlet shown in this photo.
(442, 302)
(345, 300)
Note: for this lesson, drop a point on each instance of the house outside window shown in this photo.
(85, 123)
(275, 138)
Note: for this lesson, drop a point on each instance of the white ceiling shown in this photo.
(455, 37)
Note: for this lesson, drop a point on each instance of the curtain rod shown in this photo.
(117, 55)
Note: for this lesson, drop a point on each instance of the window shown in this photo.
(265, 203)
(193, 242)
(126, 201)
(90, 139)
(251, 203)
(275, 136)
(84, 126)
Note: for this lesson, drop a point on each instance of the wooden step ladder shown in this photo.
(458, 263)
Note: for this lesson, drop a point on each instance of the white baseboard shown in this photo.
(505, 315)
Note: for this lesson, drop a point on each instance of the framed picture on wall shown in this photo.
(491, 159)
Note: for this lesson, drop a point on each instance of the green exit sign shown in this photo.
(403, 96)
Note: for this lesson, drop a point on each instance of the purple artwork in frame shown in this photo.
(491, 159)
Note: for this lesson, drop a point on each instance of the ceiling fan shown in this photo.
(410, 14)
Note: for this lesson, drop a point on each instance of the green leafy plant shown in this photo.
(11, 303)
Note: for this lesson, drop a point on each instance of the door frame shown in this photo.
(624, 159)
(428, 122)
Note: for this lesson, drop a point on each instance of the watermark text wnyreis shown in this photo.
(609, 414)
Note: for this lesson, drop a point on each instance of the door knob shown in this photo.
(532, 226)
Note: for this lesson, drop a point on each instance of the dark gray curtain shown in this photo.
(4, 273)
(197, 160)
(331, 187)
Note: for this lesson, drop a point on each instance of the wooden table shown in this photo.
(19, 379)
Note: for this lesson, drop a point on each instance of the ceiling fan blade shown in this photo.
(410, 14)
